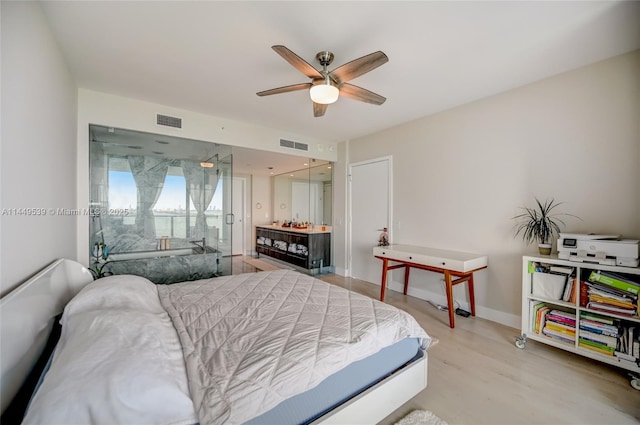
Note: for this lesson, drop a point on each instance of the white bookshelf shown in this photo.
(582, 270)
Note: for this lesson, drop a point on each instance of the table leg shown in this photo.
(406, 278)
(449, 288)
(472, 297)
(383, 284)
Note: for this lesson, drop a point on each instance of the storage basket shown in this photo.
(548, 285)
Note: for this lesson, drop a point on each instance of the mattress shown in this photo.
(341, 386)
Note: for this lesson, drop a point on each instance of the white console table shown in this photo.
(460, 265)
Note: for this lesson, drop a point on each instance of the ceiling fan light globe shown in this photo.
(324, 94)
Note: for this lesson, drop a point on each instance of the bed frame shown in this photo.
(27, 316)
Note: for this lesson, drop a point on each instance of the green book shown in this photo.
(596, 347)
(615, 281)
(596, 318)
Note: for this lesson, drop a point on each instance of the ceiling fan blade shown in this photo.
(297, 62)
(363, 95)
(319, 109)
(285, 89)
(357, 67)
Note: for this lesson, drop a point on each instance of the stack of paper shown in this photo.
(612, 293)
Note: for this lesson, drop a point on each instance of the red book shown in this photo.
(584, 294)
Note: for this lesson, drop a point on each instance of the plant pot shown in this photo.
(544, 248)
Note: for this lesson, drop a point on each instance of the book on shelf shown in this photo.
(562, 317)
(593, 317)
(598, 318)
(552, 333)
(610, 290)
(612, 309)
(615, 280)
(610, 300)
(575, 290)
(558, 335)
(540, 318)
(605, 294)
(596, 347)
(601, 329)
(569, 290)
(584, 293)
(609, 341)
(559, 327)
(535, 308)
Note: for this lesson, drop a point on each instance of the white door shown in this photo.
(370, 205)
(238, 227)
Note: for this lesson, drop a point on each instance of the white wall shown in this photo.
(39, 107)
(261, 193)
(339, 242)
(460, 175)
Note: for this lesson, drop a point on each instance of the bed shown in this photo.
(267, 347)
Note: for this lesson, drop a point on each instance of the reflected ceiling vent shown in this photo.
(168, 121)
(294, 145)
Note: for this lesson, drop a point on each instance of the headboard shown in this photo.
(27, 316)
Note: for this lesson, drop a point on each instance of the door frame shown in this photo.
(389, 160)
(240, 182)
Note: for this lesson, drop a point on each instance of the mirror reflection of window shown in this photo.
(171, 207)
(122, 190)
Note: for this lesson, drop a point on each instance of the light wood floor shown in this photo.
(478, 376)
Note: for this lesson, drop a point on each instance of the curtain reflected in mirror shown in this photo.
(149, 175)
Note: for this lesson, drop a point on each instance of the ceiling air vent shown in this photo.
(168, 121)
(287, 144)
(301, 146)
(294, 145)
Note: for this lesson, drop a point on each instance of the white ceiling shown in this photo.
(212, 56)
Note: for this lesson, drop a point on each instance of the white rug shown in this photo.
(421, 417)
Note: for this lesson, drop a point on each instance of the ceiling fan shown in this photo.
(326, 86)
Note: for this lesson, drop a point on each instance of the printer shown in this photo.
(598, 249)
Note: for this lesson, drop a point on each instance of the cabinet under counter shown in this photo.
(306, 248)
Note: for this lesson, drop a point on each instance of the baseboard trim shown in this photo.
(497, 316)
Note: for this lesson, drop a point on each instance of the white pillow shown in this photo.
(118, 361)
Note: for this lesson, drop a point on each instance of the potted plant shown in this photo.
(540, 224)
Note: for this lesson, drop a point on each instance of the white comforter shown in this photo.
(253, 340)
(118, 361)
(249, 341)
